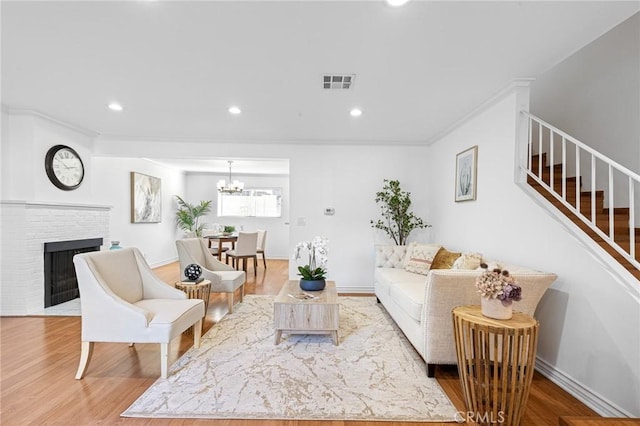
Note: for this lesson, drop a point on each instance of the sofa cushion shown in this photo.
(444, 259)
(392, 276)
(405, 288)
(421, 257)
(410, 296)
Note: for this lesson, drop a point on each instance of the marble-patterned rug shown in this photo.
(239, 373)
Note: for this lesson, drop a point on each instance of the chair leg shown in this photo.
(241, 292)
(85, 356)
(230, 302)
(264, 260)
(164, 359)
(244, 264)
(255, 266)
(197, 333)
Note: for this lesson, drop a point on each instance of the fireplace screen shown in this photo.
(60, 282)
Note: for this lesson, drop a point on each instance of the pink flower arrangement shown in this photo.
(497, 284)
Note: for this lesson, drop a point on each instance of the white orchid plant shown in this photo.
(315, 269)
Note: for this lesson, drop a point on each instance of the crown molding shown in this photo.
(35, 113)
(499, 95)
(284, 141)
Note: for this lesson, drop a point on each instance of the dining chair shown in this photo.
(123, 301)
(262, 241)
(224, 279)
(246, 247)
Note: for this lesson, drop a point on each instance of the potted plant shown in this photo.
(228, 230)
(397, 221)
(188, 214)
(498, 290)
(313, 273)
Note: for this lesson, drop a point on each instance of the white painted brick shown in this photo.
(25, 229)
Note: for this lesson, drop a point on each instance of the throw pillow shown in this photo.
(444, 259)
(421, 258)
(407, 256)
(468, 261)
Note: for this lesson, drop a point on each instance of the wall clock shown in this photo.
(64, 167)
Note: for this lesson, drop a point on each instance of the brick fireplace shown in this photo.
(25, 228)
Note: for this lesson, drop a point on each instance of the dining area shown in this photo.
(237, 247)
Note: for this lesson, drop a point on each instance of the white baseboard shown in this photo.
(364, 290)
(589, 398)
(163, 262)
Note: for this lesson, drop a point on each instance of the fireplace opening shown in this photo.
(60, 281)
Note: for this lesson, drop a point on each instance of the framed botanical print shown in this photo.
(466, 171)
(146, 198)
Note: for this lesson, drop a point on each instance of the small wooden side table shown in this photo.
(496, 361)
(201, 290)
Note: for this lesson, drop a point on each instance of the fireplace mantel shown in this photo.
(55, 204)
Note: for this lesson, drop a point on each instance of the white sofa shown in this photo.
(421, 305)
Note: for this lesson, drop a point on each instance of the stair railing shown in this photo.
(547, 133)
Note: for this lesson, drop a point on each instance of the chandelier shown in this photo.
(233, 187)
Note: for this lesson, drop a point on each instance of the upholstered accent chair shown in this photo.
(262, 242)
(246, 248)
(224, 279)
(123, 301)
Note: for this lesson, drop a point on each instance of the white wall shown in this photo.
(202, 186)
(34, 211)
(23, 173)
(594, 95)
(155, 240)
(588, 321)
(345, 178)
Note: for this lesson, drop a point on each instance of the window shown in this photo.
(256, 202)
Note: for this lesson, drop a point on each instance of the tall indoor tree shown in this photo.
(397, 220)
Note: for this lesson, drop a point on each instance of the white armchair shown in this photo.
(123, 301)
(224, 279)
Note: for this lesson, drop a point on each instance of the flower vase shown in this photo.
(493, 308)
(312, 285)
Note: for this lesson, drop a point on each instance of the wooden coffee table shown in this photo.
(294, 314)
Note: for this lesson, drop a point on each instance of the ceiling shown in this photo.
(176, 66)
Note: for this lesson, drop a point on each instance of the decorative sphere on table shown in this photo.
(193, 271)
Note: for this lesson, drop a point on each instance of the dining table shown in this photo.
(221, 239)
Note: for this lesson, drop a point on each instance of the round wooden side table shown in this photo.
(496, 360)
(201, 290)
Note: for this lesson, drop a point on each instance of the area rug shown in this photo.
(239, 373)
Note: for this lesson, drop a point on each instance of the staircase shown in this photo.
(561, 183)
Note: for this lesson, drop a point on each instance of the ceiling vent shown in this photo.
(338, 81)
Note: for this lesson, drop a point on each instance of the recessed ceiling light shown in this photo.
(114, 106)
(234, 110)
(397, 3)
(355, 112)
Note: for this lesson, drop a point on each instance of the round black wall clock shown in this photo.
(64, 167)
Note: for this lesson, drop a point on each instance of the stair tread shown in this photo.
(621, 230)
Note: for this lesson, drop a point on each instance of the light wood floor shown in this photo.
(39, 357)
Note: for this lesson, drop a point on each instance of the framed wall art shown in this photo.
(146, 198)
(466, 170)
